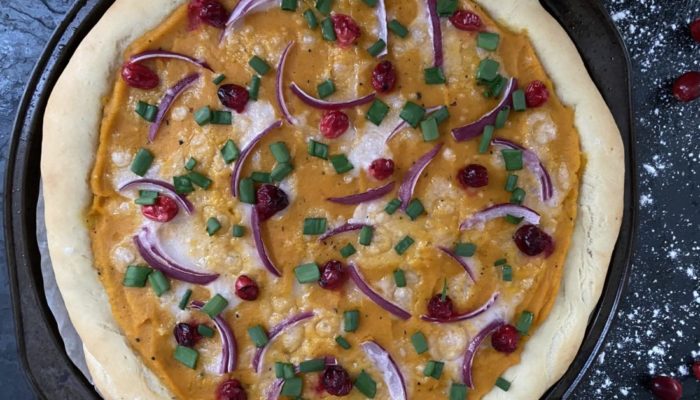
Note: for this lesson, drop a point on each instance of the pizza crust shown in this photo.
(71, 130)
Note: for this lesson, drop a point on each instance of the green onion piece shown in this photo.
(324, 6)
(238, 231)
(415, 209)
(159, 282)
(495, 87)
(325, 88)
(315, 226)
(376, 48)
(219, 78)
(443, 295)
(400, 278)
(513, 159)
(142, 162)
(261, 177)
(502, 117)
(284, 370)
(213, 226)
(230, 152)
(341, 164)
(420, 343)
(311, 19)
(370, 3)
(513, 220)
(254, 87)
(279, 370)
(465, 249)
(429, 368)
(398, 29)
(205, 330)
(289, 5)
(518, 196)
(258, 335)
(502, 384)
(377, 112)
(488, 40)
(511, 182)
(412, 113)
(403, 245)
(202, 116)
(366, 385)
(317, 149)
(342, 342)
(190, 164)
(327, 30)
(392, 206)
(258, 64)
(186, 356)
(434, 76)
(525, 322)
(366, 235)
(430, 130)
(315, 365)
(500, 261)
(507, 271)
(183, 184)
(246, 191)
(221, 117)
(433, 369)
(146, 111)
(280, 152)
(458, 391)
(351, 320)
(348, 250)
(307, 273)
(292, 387)
(488, 70)
(486, 139)
(199, 180)
(446, 8)
(441, 115)
(519, 103)
(136, 275)
(185, 299)
(146, 198)
(215, 306)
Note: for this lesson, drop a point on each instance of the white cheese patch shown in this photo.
(540, 128)
(257, 117)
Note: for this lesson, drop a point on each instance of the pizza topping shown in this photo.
(139, 76)
(381, 168)
(246, 288)
(163, 210)
(383, 28)
(408, 186)
(336, 380)
(238, 167)
(186, 334)
(500, 211)
(277, 330)
(666, 388)
(473, 347)
(152, 54)
(370, 195)
(270, 201)
(435, 32)
(364, 287)
(505, 339)
(160, 186)
(211, 12)
(473, 176)
(466, 21)
(695, 30)
(333, 275)
(233, 96)
(346, 29)
(167, 101)
(260, 245)
(229, 347)
(231, 389)
(533, 163)
(536, 94)
(333, 124)
(440, 113)
(279, 87)
(476, 128)
(533, 241)
(458, 317)
(687, 87)
(440, 307)
(460, 260)
(384, 77)
(328, 105)
(383, 361)
(341, 229)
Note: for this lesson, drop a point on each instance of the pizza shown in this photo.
(318, 199)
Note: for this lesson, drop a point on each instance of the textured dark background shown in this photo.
(657, 329)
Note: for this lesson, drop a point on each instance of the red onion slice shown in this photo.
(260, 245)
(229, 348)
(383, 27)
(162, 187)
(279, 86)
(476, 128)
(167, 101)
(329, 105)
(533, 163)
(500, 211)
(341, 229)
(411, 179)
(149, 248)
(461, 261)
(374, 296)
(238, 167)
(150, 54)
(259, 356)
(372, 194)
(382, 360)
(403, 123)
(435, 32)
(472, 348)
(467, 315)
(243, 8)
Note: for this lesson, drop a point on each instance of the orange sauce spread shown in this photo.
(148, 320)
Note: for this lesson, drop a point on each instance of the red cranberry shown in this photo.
(334, 124)
(164, 209)
(687, 87)
(536, 94)
(231, 390)
(696, 370)
(336, 380)
(384, 77)
(233, 96)
(695, 30)
(439, 308)
(186, 334)
(505, 339)
(473, 176)
(346, 29)
(666, 388)
(381, 168)
(139, 76)
(466, 20)
(333, 275)
(532, 241)
(270, 201)
(246, 288)
(211, 12)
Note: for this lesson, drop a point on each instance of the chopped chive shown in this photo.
(258, 336)
(420, 343)
(159, 282)
(441, 115)
(324, 6)
(366, 235)
(500, 261)
(341, 164)
(311, 19)
(458, 391)
(284, 370)
(342, 342)
(502, 384)
(412, 113)
(430, 130)
(376, 48)
(434, 76)
(205, 330)
(429, 368)
(315, 226)
(398, 29)
(513, 159)
(185, 299)
(199, 180)
(289, 5)
(315, 365)
(142, 162)
(366, 385)
(279, 370)
(254, 87)
(400, 278)
(403, 245)
(281, 171)
(465, 249)
(514, 220)
(392, 206)
(318, 149)
(183, 184)
(377, 112)
(327, 30)
(370, 3)
(519, 103)
(136, 276)
(190, 164)
(502, 117)
(213, 226)
(292, 387)
(221, 117)
(325, 88)
(307, 273)
(511, 182)
(202, 116)
(146, 198)
(186, 356)
(488, 40)
(446, 8)
(351, 320)
(246, 191)
(443, 295)
(507, 272)
(495, 87)
(525, 322)
(348, 250)
(486, 137)
(433, 369)
(415, 209)
(488, 70)
(518, 196)
(230, 152)
(219, 78)
(238, 231)
(259, 65)
(261, 177)
(146, 111)
(215, 306)
(280, 152)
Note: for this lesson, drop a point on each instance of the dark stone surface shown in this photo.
(657, 329)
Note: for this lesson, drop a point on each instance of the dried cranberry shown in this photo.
(346, 29)
(231, 390)
(695, 30)
(473, 176)
(163, 210)
(381, 168)
(384, 77)
(139, 76)
(466, 20)
(334, 124)
(246, 288)
(270, 201)
(666, 388)
(536, 94)
(336, 380)
(696, 370)
(333, 275)
(233, 96)
(439, 308)
(532, 241)
(211, 12)
(505, 339)
(687, 87)
(186, 334)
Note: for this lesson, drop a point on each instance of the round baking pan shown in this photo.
(49, 370)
